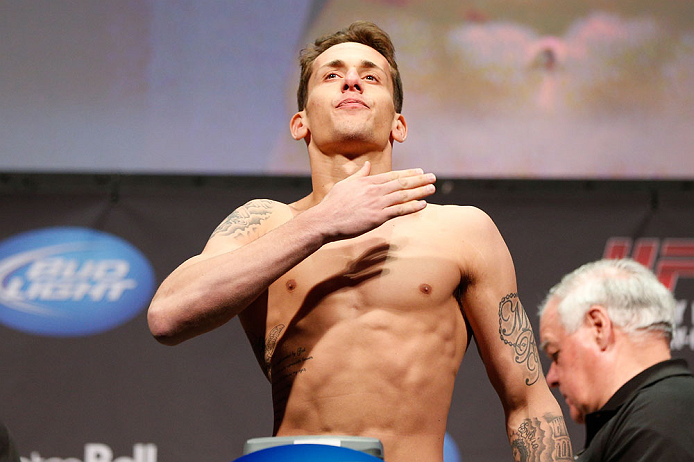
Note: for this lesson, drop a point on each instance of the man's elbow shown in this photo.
(162, 327)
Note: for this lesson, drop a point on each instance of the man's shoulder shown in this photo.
(467, 212)
(660, 404)
(655, 420)
(271, 205)
(669, 393)
(267, 204)
(461, 217)
(469, 228)
(254, 217)
(269, 213)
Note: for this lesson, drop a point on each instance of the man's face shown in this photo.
(350, 100)
(573, 359)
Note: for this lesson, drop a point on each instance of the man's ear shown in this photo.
(399, 130)
(298, 126)
(600, 325)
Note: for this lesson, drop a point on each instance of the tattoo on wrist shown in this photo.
(527, 442)
(246, 218)
(531, 443)
(515, 330)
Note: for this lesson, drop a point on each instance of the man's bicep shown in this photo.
(501, 327)
(505, 340)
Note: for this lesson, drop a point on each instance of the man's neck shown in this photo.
(328, 170)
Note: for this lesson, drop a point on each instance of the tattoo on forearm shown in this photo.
(560, 437)
(527, 442)
(246, 218)
(515, 330)
(531, 443)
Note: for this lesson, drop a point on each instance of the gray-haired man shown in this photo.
(607, 328)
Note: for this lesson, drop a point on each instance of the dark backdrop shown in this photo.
(201, 400)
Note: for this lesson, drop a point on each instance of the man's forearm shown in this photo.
(541, 439)
(205, 293)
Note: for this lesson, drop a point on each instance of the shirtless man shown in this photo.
(360, 299)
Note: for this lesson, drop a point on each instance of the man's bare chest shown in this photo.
(385, 269)
(387, 284)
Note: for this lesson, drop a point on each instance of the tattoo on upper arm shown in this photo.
(531, 443)
(515, 330)
(246, 218)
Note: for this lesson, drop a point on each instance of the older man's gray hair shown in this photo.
(634, 298)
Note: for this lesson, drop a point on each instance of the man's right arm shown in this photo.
(236, 266)
(239, 264)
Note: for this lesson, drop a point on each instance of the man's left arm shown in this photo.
(506, 342)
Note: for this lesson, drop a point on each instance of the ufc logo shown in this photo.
(676, 259)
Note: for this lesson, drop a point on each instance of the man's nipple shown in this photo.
(425, 289)
(291, 285)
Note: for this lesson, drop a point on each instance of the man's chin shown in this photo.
(357, 142)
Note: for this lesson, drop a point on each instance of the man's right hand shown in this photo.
(360, 202)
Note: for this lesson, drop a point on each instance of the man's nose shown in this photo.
(352, 81)
(552, 376)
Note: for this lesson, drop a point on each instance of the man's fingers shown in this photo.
(395, 174)
(411, 182)
(411, 194)
(363, 171)
(406, 208)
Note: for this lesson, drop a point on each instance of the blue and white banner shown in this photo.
(71, 281)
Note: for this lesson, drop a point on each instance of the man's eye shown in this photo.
(554, 356)
(370, 77)
(332, 75)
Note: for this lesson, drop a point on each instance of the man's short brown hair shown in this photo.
(364, 32)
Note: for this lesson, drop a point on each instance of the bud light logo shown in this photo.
(67, 282)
